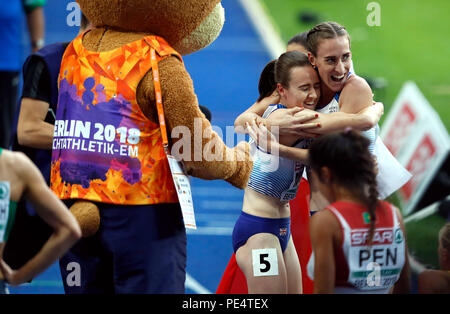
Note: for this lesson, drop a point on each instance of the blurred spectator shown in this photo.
(438, 281)
(10, 56)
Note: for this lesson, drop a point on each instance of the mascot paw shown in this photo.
(88, 216)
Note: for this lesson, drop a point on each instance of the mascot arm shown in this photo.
(203, 152)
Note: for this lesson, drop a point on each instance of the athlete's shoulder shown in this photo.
(19, 161)
(324, 226)
(324, 218)
(356, 95)
(12, 157)
(356, 83)
(16, 163)
(434, 281)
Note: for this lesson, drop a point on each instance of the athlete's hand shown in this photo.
(9, 275)
(295, 121)
(265, 139)
(373, 114)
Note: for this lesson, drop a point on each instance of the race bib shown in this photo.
(378, 266)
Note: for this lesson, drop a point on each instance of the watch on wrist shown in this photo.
(38, 44)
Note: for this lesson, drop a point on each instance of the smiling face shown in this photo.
(303, 89)
(333, 61)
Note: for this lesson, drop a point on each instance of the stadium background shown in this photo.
(410, 44)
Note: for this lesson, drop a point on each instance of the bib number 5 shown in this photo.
(265, 262)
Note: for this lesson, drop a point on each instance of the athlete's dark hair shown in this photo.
(325, 30)
(267, 84)
(346, 155)
(279, 71)
(300, 39)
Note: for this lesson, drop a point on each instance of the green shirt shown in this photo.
(30, 5)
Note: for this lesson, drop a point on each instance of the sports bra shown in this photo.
(272, 175)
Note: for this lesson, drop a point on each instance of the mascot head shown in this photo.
(187, 25)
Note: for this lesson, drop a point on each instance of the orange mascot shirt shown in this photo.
(104, 148)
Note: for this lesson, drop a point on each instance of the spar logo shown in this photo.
(380, 237)
(399, 236)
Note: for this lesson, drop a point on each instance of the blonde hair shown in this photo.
(444, 236)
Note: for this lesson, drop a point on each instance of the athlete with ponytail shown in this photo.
(346, 99)
(261, 237)
(358, 241)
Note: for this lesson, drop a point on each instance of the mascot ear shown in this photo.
(88, 216)
(206, 112)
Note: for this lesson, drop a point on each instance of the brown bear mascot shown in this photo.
(122, 88)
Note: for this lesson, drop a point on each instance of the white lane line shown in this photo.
(264, 27)
(195, 286)
(222, 205)
(216, 231)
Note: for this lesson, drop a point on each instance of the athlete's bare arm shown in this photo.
(254, 113)
(323, 227)
(356, 108)
(277, 145)
(363, 120)
(292, 122)
(32, 130)
(433, 281)
(403, 285)
(53, 212)
(356, 95)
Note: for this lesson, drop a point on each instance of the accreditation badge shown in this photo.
(183, 187)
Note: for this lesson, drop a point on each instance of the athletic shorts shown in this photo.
(249, 225)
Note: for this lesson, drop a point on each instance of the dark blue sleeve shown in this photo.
(36, 79)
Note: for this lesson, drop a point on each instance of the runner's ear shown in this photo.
(312, 59)
(325, 175)
(281, 90)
